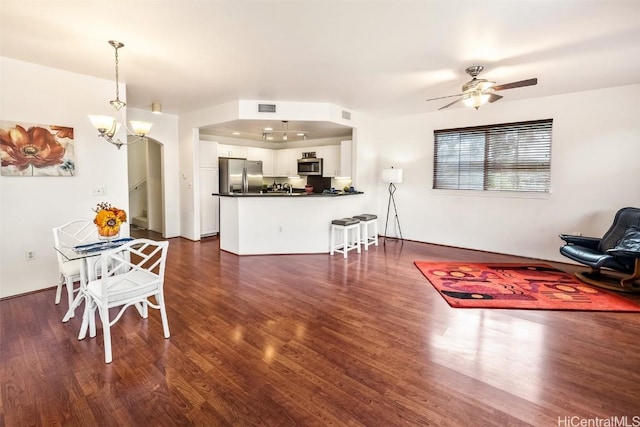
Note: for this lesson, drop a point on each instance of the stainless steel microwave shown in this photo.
(310, 166)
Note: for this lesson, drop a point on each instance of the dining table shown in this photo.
(89, 254)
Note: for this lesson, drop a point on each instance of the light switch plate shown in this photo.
(98, 191)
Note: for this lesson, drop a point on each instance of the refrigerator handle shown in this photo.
(245, 181)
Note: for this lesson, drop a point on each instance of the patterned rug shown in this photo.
(519, 286)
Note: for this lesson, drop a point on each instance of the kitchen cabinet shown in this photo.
(336, 159)
(287, 161)
(330, 160)
(267, 157)
(209, 205)
(235, 151)
(345, 158)
(208, 157)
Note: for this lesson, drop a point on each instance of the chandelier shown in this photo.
(108, 126)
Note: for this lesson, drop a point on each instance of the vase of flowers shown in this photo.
(108, 220)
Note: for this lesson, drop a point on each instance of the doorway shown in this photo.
(146, 189)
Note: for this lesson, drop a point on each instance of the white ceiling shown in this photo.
(381, 58)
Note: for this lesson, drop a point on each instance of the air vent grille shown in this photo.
(346, 115)
(266, 108)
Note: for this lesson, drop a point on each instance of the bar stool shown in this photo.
(368, 230)
(346, 226)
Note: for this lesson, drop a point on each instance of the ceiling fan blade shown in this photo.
(493, 97)
(442, 97)
(522, 83)
(451, 103)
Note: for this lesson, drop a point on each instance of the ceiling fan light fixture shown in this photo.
(476, 99)
(477, 92)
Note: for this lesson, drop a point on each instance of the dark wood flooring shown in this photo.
(315, 340)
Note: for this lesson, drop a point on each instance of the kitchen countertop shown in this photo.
(283, 194)
(280, 223)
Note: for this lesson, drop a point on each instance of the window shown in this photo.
(502, 157)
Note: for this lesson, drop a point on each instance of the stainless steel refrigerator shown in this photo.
(240, 176)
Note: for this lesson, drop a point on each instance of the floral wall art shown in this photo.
(36, 150)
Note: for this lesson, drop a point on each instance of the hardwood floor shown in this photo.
(298, 340)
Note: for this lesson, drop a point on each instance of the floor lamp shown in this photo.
(392, 176)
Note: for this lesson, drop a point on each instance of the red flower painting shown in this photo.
(36, 151)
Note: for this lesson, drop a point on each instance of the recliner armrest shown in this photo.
(623, 253)
(587, 242)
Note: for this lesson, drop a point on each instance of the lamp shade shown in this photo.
(392, 175)
(140, 128)
(476, 99)
(102, 123)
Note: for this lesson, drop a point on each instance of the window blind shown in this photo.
(500, 157)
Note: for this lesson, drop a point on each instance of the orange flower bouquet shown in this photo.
(108, 219)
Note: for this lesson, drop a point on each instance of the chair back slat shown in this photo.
(75, 232)
(133, 264)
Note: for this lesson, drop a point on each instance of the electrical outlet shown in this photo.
(30, 255)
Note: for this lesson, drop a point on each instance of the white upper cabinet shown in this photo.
(208, 154)
(232, 151)
(287, 161)
(267, 156)
(345, 159)
(330, 155)
(336, 159)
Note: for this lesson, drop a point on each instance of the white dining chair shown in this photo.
(131, 274)
(69, 235)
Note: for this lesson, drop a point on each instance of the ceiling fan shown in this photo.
(477, 92)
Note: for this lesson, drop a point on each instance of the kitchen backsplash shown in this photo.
(302, 181)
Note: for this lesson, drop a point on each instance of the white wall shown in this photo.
(595, 162)
(31, 206)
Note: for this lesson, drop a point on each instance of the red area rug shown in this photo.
(519, 286)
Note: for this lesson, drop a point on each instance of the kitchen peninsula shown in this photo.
(282, 223)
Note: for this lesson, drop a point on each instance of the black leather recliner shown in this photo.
(618, 251)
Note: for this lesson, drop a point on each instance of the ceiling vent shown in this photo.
(346, 115)
(266, 108)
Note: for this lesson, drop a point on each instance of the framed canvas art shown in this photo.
(36, 150)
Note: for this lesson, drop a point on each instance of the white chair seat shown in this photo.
(71, 268)
(138, 283)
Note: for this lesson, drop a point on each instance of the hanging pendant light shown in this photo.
(108, 126)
